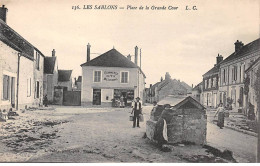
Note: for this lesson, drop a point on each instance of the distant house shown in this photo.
(21, 69)
(167, 87)
(111, 76)
(65, 80)
(50, 76)
(197, 92)
(232, 72)
(78, 82)
(211, 85)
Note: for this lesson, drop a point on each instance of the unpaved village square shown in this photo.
(77, 134)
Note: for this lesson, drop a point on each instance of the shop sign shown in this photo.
(111, 75)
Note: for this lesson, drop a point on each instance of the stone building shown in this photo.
(186, 121)
(251, 74)
(50, 75)
(167, 87)
(21, 72)
(110, 76)
(210, 85)
(232, 72)
(65, 79)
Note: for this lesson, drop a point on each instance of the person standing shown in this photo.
(137, 110)
(221, 116)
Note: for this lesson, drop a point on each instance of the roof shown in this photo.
(172, 100)
(79, 79)
(250, 47)
(64, 75)
(253, 64)
(49, 64)
(197, 87)
(112, 58)
(189, 102)
(16, 41)
(213, 70)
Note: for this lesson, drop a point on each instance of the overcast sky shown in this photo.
(183, 43)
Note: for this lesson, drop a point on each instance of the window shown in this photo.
(224, 76)
(206, 85)
(37, 59)
(97, 76)
(124, 77)
(214, 82)
(37, 89)
(209, 86)
(6, 87)
(234, 73)
(29, 85)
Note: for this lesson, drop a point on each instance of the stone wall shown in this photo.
(183, 125)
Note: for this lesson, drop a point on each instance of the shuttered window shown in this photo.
(97, 76)
(6, 87)
(124, 77)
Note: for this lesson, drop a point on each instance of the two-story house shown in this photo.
(232, 72)
(210, 85)
(21, 68)
(50, 76)
(110, 76)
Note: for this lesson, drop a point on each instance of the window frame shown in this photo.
(6, 98)
(94, 71)
(121, 72)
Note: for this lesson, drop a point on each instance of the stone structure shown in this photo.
(186, 122)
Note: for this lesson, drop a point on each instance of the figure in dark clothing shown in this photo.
(221, 116)
(125, 101)
(137, 109)
(45, 101)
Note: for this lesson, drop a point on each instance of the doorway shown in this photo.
(96, 96)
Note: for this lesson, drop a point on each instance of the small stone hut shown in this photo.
(186, 122)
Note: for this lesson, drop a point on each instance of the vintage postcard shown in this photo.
(129, 81)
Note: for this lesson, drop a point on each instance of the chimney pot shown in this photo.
(3, 13)
(129, 57)
(219, 59)
(53, 53)
(238, 45)
(88, 52)
(136, 55)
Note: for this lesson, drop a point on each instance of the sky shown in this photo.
(183, 43)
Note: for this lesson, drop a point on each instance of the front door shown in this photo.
(96, 96)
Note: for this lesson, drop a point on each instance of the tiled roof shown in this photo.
(197, 87)
(213, 70)
(112, 58)
(64, 75)
(250, 47)
(49, 64)
(14, 40)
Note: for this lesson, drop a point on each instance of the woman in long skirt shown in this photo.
(221, 116)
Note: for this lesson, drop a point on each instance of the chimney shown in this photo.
(53, 53)
(3, 13)
(167, 76)
(88, 52)
(136, 55)
(219, 58)
(238, 45)
(140, 58)
(191, 85)
(129, 57)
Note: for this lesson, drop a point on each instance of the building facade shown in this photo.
(211, 85)
(232, 72)
(50, 76)
(251, 74)
(21, 69)
(65, 80)
(110, 76)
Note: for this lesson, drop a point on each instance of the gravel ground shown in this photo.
(76, 134)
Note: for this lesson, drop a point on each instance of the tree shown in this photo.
(257, 93)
